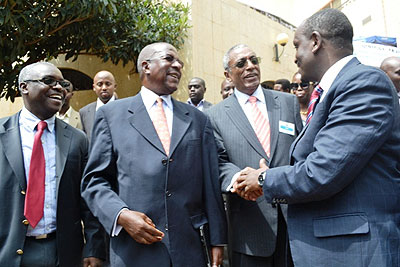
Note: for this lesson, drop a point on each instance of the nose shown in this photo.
(177, 64)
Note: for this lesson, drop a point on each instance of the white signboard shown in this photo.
(374, 54)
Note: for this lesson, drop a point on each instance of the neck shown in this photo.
(63, 109)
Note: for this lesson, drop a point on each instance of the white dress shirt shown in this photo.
(100, 103)
(200, 105)
(247, 108)
(27, 127)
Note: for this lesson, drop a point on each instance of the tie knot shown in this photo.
(319, 89)
(253, 99)
(41, 126)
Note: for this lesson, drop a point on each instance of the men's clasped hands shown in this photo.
(246, 185)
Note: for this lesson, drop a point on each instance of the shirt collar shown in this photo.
(330, 75)
(243, 98)
(149, 98)
(189, 101)
(30, 120)
(100, 103)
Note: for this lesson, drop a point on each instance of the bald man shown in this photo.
(391, 66)
(227, 88)
(104, 86)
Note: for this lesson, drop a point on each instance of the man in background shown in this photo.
(227, 88)
(67, 113)
(282, 85)
(41, 163)
(197, 88)
(391, 66)
(104, 86)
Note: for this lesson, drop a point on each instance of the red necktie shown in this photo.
(261, 124)
(161, 125)
(34, 200)
(314, 99)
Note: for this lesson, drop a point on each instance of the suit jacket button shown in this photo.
(25, 222)
(20, 251)
(168, 193)
(164, 162)
(171, 159)
(23, 192)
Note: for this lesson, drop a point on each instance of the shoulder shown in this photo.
(9, 121)
(88, 107)
(63, 126)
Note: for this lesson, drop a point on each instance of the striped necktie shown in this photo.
(261, 125)
(161, 125)
(314, 99)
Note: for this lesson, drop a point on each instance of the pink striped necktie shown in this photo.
(314, 99)
(261, 125)
(34, 200)
(161, 125)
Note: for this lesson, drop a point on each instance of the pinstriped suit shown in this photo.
(253, 225)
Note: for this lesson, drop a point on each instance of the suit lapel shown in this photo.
(63, 143)
(180, 125)
(239, 119)
(11, 142)
(140, 120)
(274, 109)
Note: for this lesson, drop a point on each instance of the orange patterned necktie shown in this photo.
(161, 125)
(34, 200)
(261, 125)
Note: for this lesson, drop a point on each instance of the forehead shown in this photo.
(42, 70)
(163, 49)
(195, 81)
(242, 52)
(103, 76)
(226, 84)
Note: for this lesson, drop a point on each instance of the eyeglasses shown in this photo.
(52, 82)
(170, 59)
(303, 85)
(243, 61)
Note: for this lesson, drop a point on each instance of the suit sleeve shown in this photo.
(212, 193)
(99, 185)
(94, 233)
(360, 118)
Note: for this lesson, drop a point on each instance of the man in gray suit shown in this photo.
(257, 231)
(104, 86)
(41, 206)
(197, 88)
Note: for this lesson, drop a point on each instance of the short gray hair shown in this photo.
(226, 58)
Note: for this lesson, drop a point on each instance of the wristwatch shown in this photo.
(261, 179)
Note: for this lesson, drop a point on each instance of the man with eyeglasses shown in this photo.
(253, 123)
(302, 90)
(152, 174)
(104, 86)
(41, 164)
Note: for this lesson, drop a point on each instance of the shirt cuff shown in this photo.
(116, 227)
(234, 178)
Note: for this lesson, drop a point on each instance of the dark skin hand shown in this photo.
(92, 262)
(217, 254)
(140, 227)
(246, 185)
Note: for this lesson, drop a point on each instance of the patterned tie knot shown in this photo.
(253, 99)
(159, 101)
(316, 94)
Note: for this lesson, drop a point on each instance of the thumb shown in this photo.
(263, 163)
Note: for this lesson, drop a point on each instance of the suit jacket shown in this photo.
(343, 189)
(253, 225)
(74, 118)
(128, 167)
(206, 105)
(71, 157)
(87, 114)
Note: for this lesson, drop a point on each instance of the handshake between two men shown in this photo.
(248, 184)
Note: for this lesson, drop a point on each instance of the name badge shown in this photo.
(286, 127)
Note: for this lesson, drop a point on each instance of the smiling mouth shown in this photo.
(175, 75)
(56, 97)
